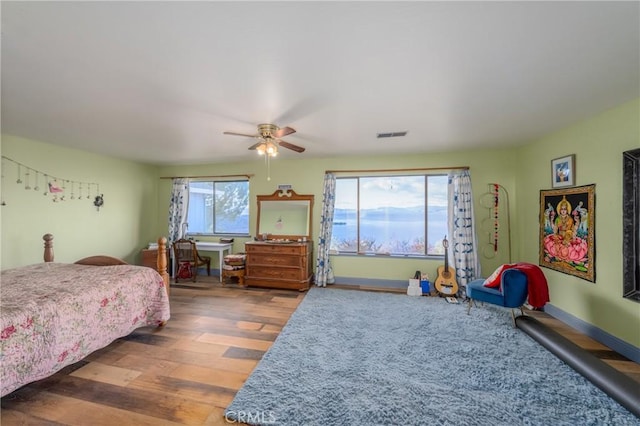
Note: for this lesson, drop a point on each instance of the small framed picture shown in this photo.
(563, 171)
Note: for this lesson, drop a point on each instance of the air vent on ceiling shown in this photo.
(391, 134)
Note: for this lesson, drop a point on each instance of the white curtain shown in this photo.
(463, 243)
(178, 209)
(324, 271)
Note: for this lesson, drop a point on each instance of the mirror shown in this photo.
(631, 224)
(284, 215)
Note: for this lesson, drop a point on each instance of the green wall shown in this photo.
(306, 176)
(121, 228)
(598, 144)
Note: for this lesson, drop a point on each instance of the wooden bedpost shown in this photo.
(48, 247)
(162, 261)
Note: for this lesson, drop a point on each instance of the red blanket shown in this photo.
(536, 283)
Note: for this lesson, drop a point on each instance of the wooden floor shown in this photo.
(187, 372)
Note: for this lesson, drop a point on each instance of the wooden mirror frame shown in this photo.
(283, 197)
(631, 224)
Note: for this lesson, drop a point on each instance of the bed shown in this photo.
(54, 314)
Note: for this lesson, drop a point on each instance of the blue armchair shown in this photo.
(512, 292)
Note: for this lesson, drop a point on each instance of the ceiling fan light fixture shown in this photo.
(272, 149)
(268, 148)
(268, 142)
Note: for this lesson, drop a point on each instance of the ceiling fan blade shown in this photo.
(255, 145)
(291, 146)
(240, 134)
(283, 132)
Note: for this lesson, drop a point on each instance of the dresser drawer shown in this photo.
(274, 273)
(296, 249)
(275, 260)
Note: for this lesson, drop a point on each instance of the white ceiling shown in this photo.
(159, 82)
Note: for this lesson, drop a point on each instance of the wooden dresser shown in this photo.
(285, 266)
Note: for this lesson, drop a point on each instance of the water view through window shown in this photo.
(390, 215)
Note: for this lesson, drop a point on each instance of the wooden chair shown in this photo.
(188, 260)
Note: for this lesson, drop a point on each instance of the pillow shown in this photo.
(494, 279)
(184, 270)
(235, 259)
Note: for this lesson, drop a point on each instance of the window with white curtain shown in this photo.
(392, 215)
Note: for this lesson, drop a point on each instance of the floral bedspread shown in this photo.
(54, 314)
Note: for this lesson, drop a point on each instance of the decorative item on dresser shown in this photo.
(279, 264)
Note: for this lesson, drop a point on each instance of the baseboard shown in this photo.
(372, 282)
(202, 270)
(618, 345)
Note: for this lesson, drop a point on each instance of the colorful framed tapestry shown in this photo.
(567, 224)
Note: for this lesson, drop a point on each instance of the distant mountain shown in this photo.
(391, 214)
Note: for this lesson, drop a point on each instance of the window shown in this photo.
(218, 207)
(392, 215)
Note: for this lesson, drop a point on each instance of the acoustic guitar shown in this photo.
(446, 283)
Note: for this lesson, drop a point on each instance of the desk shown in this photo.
(211, 246)
(218, 247)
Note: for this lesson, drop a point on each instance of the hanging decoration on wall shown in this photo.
(495, 215)
(2, 169)
(491, 225)
(53, 185)
(37, 187)
(98, 202)
(26, 180)
(567, 231)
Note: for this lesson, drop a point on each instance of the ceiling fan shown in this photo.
(269, 139)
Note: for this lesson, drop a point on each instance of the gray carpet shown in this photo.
(363, 358)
